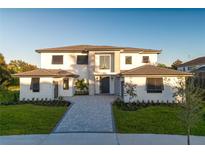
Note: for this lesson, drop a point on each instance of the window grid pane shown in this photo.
(128, 60)
(66, 84)
(155, 85)
(57, 59)
(104, 62)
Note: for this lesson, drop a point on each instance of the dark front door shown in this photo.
(105, 85)
(55, 89)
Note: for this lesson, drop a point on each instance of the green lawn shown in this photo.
(29, 119)
(154, 119)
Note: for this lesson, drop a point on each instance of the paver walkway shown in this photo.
(88, 114)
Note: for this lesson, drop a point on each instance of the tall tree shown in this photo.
(5, 76)
(16, 66)
(2, 60)
(176, 63)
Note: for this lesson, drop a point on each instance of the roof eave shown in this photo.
(166, 75)
(55, 76)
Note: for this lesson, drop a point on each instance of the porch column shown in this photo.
(117, 61)
(91, 69)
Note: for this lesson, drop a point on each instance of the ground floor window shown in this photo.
(65, 84)
(155, 85)
(35, 84)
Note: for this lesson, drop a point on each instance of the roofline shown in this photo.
(161, 75)
(114, 49)
(185, 63)
(74, 76)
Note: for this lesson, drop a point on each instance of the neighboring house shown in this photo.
(105, 68)
(192, 65)
(196, 66)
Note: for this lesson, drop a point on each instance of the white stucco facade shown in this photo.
(142, 95)
(93, 74)
(46, 88)
(69, 63)
(136, 60)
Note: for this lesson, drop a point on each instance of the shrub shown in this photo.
(136, 105)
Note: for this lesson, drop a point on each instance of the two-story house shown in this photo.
(105, 68)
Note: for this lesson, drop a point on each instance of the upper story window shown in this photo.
(128, 59)
(57, 59)
(82, 59)
(145, 59)
(65, 84)
(35, 84)
(155, 85)
(105, 62)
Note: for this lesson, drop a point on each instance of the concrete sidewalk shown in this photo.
(99, 139)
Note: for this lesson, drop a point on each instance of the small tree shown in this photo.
(176, 64)
(130, 90)
(81, 84)
(161, 65)
(190, 95)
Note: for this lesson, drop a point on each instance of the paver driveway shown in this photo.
(88, 114)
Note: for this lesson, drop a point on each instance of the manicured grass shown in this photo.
(29, 119)
(154, 119)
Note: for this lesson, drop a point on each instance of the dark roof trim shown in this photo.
(87, 48)
(46, 73)
(151, 70)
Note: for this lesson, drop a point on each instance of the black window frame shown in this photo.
(154, 86)
(57, 61)
(35, 84)
(103, 67)
(81, 61)
(65, 83)
(145, 60)
(127, 60)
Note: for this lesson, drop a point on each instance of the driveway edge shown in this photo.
(58, 123)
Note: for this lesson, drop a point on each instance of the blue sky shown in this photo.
(180, 33)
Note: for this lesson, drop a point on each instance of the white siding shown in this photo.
(69, 63)
(136, 60)
(61, 91)
(166, 95)
(46, 88)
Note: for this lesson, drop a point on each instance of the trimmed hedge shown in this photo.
(44, 102)
(136, 105)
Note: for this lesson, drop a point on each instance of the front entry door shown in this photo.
(105, 85)
(55, 89)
